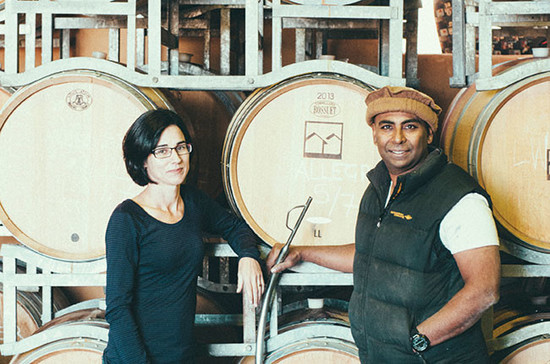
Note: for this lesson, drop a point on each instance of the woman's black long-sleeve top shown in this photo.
(152, 270)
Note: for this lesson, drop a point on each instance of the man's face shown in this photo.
(402, 140)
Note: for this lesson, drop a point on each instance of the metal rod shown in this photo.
(268, 296)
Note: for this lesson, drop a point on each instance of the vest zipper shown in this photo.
(394, 195)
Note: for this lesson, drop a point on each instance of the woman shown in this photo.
(155, 250)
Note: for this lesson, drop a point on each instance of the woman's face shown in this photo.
(169, 170)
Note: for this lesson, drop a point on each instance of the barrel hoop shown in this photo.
(518, 336)
(91, 338)
(485, 119)
(310, 344)
(456, 124)
(314, 329)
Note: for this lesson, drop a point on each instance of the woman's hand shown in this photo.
(250, 279)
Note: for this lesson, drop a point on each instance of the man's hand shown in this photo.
(337, 257)
(293, 258)
(480, 269)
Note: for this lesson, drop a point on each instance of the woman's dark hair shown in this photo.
(143, 136)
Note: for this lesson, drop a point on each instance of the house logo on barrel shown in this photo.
(323, 140)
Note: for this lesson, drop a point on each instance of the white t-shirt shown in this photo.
(468, 225)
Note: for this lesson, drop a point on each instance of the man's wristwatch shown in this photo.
(420, 342)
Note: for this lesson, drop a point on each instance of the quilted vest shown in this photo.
(402, 272)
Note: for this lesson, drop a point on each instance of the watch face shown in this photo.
(420, 342)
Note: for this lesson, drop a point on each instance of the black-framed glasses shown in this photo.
(166, 152)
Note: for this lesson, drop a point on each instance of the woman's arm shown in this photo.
(122, 258)
(243, 242)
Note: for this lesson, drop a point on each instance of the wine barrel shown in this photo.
(305, 136)
(533, 346)
(71, 174)
(56, 196)
(81, 348)
(311, 336)
(209, 113)
(29, 306)
(86, 348)
(501, 138)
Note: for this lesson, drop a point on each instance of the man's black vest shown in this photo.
(402, 272)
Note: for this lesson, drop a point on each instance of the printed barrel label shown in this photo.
(79, 99)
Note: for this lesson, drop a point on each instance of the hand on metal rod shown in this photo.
(266, 304)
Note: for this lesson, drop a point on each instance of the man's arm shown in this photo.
(480, 270)
(337, 257)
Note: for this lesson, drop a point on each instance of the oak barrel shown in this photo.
(320, 336)
(57, 195)
(90, 339)
(305, 136)
(501, 138)
(85, 333)
(29, 307)
(524, 329)
(209, 114)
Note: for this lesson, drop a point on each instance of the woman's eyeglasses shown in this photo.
(165, 152)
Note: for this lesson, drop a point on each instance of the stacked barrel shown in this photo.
(501, 138)
(305, 136)
(63, 173)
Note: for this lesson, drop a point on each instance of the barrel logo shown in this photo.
(324, 109)
(79, 99)
(323, 140)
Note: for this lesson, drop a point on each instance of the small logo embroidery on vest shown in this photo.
(401, 215)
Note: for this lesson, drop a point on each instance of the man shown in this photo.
(425, 261)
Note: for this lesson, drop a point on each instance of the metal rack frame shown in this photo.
(528, 332)
(57, 273)
(54, 273)
(21, 16)
(18, 22)
(482, 15)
